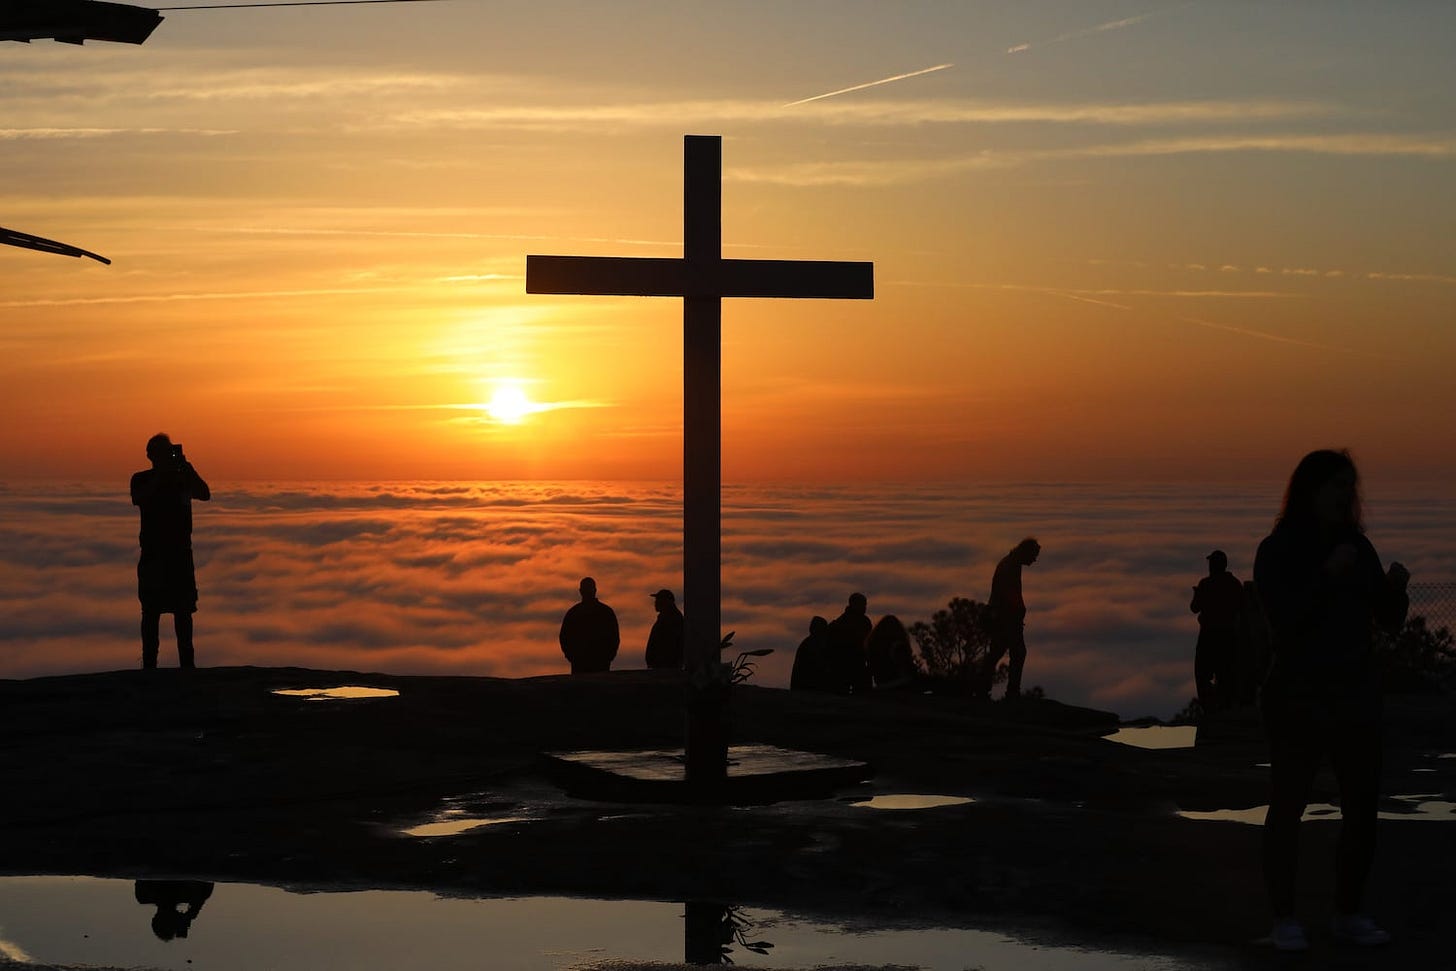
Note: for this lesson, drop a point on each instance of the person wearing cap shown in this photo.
(665, 642)
(589, 635)
(1218, 600)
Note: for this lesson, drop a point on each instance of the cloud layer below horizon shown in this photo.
(472, 579)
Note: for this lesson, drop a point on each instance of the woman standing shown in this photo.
(1325, 593)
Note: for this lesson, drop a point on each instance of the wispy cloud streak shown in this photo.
(1095, 297)
(52, 134)
(884, 172)
(221, 295)
(869, 84)
(877, 113)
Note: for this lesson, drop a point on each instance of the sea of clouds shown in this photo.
(472, 578)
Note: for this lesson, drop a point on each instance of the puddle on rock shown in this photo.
(181, 925)
(1422, 808)
(1429, 806)
(346, 692)
(454, 827)
(911, 800)
(1156, 736)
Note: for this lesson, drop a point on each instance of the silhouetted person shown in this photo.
(166, 579)
(1218, 600)
(888, 655)
(847, 634)
(813, 668)
(167, 895)
(1008, 615)
(589, 635)
(665, 640)
(1324, 593)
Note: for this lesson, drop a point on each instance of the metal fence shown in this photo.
(1436, 602)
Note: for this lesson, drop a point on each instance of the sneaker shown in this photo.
(1359, 929)
(1288, 935)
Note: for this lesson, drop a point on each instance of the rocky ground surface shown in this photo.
(207, 774)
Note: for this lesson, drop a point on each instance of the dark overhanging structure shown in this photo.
(14, 237)
(77, 21)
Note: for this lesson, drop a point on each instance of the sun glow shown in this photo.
(509, 405)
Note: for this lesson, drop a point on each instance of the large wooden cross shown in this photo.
(702, 278)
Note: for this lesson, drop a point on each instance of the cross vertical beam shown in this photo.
(702, 404)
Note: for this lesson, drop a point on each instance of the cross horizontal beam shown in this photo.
(629, 276)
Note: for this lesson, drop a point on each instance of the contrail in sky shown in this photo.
(1264, 335)
(869, 84)
(1087, 31)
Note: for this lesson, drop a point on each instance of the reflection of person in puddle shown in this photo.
(167, 895)
(1325, 593)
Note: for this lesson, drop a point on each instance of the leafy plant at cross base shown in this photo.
(725, 675)
(742, 668)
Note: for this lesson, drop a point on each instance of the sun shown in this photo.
(509, 405)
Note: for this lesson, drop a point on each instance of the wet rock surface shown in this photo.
(207, 774)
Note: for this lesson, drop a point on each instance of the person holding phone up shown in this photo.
(166, 578)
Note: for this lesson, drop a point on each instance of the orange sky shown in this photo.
(1167, 244)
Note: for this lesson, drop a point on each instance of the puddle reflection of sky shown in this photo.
(453, 822)
(242, 927)
(914, 800)
(1156, 736)
(463, 824)
(1423, 808)
(344, 692)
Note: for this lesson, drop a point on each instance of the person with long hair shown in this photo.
(888, 654)
(1325, 594)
